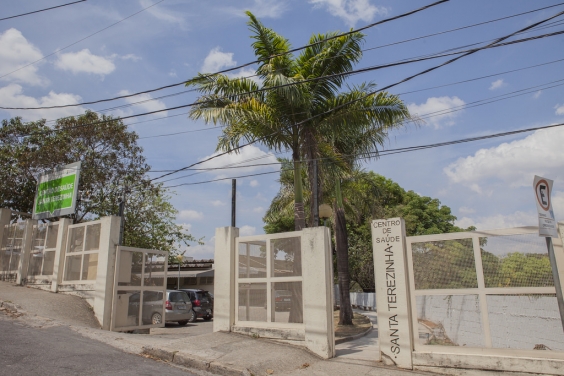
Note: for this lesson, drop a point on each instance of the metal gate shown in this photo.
(140, 289)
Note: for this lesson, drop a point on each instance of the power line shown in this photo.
(254, 62)
(78, 41)
(216, 73)
(363, 70)
(400, 94)
(396, 151)
(41, 10)
(372, 93)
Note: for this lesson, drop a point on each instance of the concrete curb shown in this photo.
(356, 336)
(187, 360)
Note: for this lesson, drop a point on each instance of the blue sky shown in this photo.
(486, 183)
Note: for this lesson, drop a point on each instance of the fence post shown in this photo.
(25, 251)
(317, 271)
(60, 252)
(392, 294)
(224, 278)
(104, 287)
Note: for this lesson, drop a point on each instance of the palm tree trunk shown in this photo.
(299, 215)
(341, 240)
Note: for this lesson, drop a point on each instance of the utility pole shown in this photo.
(233, 201)
(122, 214)
(315, 194)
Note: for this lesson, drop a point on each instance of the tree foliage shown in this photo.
(110, 160)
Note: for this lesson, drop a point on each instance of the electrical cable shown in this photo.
(372, 93)
(41, 10)
(247, 64)
(216, 73)
(78, 41)
(358, 71)
(396, 151)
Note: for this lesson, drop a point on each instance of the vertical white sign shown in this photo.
(547, 222)
(392, 299)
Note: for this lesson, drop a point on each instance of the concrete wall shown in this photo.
(516, 322)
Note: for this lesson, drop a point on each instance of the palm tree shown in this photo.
(279, 112)
(298, 105)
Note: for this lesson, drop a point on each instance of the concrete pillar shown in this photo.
(60, 253)
(317, 269)
(392, 295)
(27, 244)
(224, 278)
(104, 286)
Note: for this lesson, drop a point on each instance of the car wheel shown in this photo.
(157, 318)
(208, 317)
(183, 322)
(193, 316)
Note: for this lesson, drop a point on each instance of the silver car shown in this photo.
(178, 307)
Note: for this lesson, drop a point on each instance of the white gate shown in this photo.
(140, 289)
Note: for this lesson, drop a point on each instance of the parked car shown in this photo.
(178, 307)
(202, 304)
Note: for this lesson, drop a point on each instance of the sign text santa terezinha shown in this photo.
(56, 192)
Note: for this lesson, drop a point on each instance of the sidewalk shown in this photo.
(195, 346)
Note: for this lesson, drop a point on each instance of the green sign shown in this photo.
(56, 192)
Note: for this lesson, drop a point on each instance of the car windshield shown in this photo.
(178, 296)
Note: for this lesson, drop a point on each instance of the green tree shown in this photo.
(110, 159)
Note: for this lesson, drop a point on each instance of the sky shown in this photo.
(100, 49)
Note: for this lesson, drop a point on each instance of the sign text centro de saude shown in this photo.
(56, 192)
(392, 300)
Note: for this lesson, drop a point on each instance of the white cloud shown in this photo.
(254, 183)
(514, 163)
(217, 203)
(145, 102)
(186, 227)
(85, 62)
(258, 209)
(537, 94)
(465, 210)
(189, 215)
(16, 52)
(261, 9)
(559, 109)
(12, 96)
(162, 14)
(497, 84)
(247, 230)
(217, 60)
(351, 11)
(437, 108)
(132, 57)
(498, 221)
(249, 155)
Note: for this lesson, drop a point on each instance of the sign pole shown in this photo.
(548, 229)
(556, 278)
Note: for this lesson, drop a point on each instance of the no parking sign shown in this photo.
(547, 222)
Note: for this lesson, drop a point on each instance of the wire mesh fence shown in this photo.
(485, 290)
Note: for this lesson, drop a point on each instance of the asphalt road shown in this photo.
(60, 351)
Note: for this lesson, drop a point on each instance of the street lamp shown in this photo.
(180, 258)
(325, 211)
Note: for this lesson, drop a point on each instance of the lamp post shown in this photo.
(325, 211)
(180, 258)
